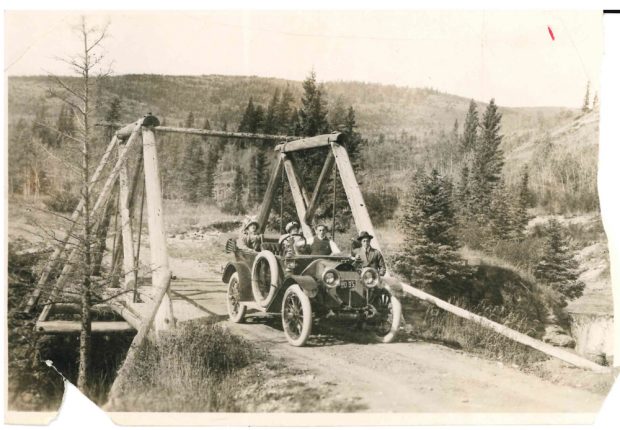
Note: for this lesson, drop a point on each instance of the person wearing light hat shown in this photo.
(250, 240)
(288, 239)
(369, 256)
(320, 244)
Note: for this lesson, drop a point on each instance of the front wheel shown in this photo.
(389, 309)
(236, 311)
(296, 316)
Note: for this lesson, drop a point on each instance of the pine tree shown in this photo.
(234, 204)
(502, 226)
(270, 125)
(313, 112)
(337, 115)
(259, 173)
(428, 257)
(189, 121)
(557, 267)
(463, 194)
(248, 116)
(193, 176)
(113, 115)
(523, 202)
(284, 113)
(470, 130)
(487, 164)
(353, 140)
(586, 99)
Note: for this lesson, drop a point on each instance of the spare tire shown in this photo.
(265, 277)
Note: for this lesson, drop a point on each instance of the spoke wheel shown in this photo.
(236, 311)
(389, 308)
(296, 316)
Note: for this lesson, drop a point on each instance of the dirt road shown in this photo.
(406, 376)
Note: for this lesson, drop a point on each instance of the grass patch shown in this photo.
(454, 331)
(192, 369)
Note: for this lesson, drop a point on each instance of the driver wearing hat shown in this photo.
(287, 240)
(369, 256)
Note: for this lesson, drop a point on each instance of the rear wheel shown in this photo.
(236, 311)
(296, 316)
(389, 309)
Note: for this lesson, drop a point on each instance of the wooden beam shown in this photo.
(354, 195)
(74, 308)
(302, 186)
(124, 131)
(126, 225)
(298, 198)
(521, 338)
(157, 233)
(60, 246)
(60, 327)
(272, 186)
(320, 185)
(310, 142)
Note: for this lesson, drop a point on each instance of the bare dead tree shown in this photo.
(78, 95)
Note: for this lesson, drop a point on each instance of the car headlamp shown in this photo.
(370, 277)
(331, 278)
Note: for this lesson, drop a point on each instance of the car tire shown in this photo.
(236, 311)
(296, 316)
(387, 332)
(265, 257)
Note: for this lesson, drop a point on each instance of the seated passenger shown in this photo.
(287, 240)
(320, 244)
(250, 240)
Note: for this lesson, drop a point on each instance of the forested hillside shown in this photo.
(400, 129)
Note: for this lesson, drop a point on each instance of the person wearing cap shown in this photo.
(288, 239)
(250, 240)
(369, 256)
(320, 244)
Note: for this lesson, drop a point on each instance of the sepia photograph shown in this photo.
(245, 213)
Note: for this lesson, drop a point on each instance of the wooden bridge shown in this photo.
(164, 301)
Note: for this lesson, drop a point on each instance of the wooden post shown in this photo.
(164, 319)
(354, 195)
(320, 185)
(505, 331)
(126, 227)
(265, 208)
(310, 142)
(298, 198)
(60, 247)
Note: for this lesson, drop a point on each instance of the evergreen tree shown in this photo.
(234, 204)
(189, 121)
(455, 133)
(284, 113)
(586, 99)
(487, 163)
(557, 267)
(428, 257)
(259, 173)
(337, 115)
(113, 115)
(248, 117)
(313, 112)
(470, 130)
(463, 193)
(353, 140)
(501, 213)
(521, 218)
(270, 125)
(193, 176)
(206, 126)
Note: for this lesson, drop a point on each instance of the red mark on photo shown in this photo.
(551, 33)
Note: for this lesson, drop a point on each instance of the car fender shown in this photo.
(245, 279)
(393, 285)
(307, 284)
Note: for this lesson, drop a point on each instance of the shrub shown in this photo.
(63, 201)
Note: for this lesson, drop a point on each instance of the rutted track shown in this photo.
(399, 377)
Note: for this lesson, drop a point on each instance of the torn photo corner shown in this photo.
(243, 216)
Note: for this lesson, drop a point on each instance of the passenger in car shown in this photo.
(320, 244)
(370, 256)
(250, 240)
(287, 240)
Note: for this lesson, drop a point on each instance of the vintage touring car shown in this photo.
(304, 287)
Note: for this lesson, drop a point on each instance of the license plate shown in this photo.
(347, 284)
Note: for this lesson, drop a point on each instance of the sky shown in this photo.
(510, 56)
